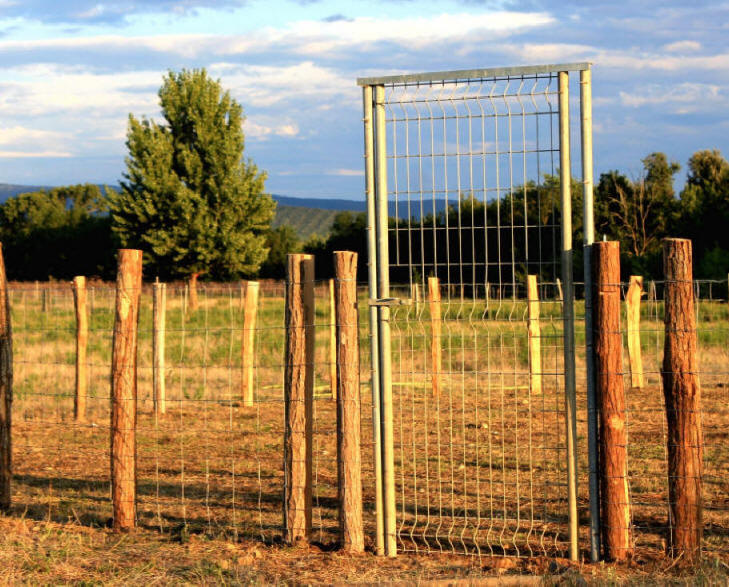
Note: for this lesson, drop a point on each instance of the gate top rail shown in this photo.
(470, 74)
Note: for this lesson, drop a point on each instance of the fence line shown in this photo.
(212, 464)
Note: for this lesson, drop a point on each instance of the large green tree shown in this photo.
(188, 198)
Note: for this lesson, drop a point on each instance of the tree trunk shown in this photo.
(683, 402)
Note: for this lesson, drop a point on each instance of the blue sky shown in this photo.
(72, 70)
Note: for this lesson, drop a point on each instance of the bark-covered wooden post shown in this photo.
(613, 436)
(298, 397)
(436, 353)
(332, 340)
(683, 402)
(159, 310)
(534, 333)
(6, 388)
(124, 390)
(349, 466)
(82, 341)
(250, 310)
(632, 311)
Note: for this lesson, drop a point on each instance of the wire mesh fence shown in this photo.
(209, 464)
(646, 417)
(480, 447)
(480, 464)
(474, 201)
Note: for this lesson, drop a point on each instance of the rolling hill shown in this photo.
(307, 216)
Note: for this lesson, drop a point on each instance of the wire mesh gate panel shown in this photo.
(469, 193)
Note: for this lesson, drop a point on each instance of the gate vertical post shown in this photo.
(374, 330)
(569, 318)
(383, 291)
(589, 239)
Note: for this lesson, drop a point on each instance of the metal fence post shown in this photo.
(374, 331)
(383, 291)
(569, 317)
(589, 239)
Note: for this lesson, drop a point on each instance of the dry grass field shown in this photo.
(480, 469)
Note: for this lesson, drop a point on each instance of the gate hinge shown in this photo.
(388, 302)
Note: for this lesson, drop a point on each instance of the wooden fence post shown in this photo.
(6, 388)
(192, 288)
(159, 311)
(250, 311)
(652, 294)
(683, 402)
(535, 345)
(298, 397)
(349, 466)
(124, 390)
(82, 341)
(613, 436)
(416, 293)
(436, 354)
(632, 307)
(332, 339)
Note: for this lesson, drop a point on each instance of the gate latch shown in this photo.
(389, 302)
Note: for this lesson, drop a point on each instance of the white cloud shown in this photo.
(315, 37)
(683, 46)
(346, 172)
(682, 98)
(617, 59)
(265, 127)
(42, 89)
(13, 135)
(306, 37)
(268, 85)
(35, 154)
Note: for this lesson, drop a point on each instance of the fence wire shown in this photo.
(474, 200)
(480, 467)
(210, 464)
(646, 421)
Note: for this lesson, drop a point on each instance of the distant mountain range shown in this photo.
(307, 216)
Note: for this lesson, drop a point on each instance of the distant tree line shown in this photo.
(502, 240)
(68, 231)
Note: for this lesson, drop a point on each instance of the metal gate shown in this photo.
(469, 197)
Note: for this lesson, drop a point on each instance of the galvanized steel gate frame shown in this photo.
(381, 302)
